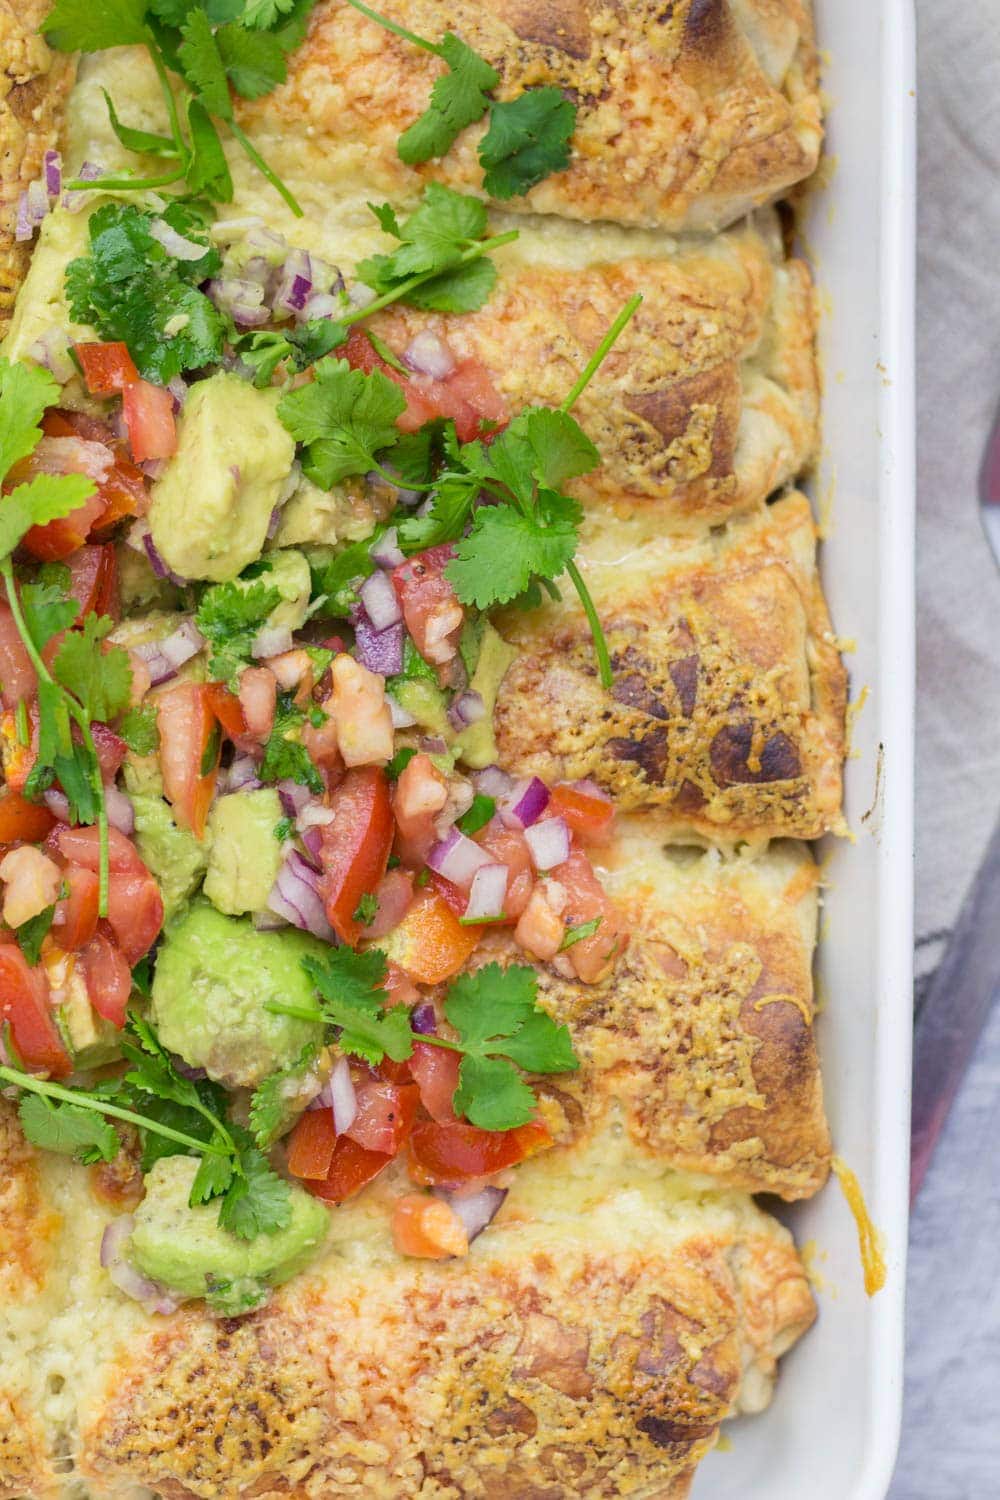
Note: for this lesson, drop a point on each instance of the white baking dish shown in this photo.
(832, 1431)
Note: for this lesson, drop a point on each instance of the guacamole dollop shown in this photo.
(214, 976)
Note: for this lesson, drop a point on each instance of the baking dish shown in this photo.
(833, 1428)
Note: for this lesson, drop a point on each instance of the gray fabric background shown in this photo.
(951, 1432)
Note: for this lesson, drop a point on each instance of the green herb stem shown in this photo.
(264, 169)
(102, 1107)
(596, 628)
(401, 31)
(96, 781)
(123, 184)
(168, 98)
(481, 247)
(601, 352)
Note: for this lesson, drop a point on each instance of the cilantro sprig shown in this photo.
(172, 1113)
(215, 49)
(501, 1030)
(86, 682)
(528, 137)
(230, 616)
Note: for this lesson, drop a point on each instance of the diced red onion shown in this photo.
(380, 650)
(176, 245)
(243, 300)
(433, 744)
(268, 921)
(157, 564)
(343, 1099)
(524, 803)
(267, 242)
(295, 896)
(549, 842)
(476, 1210)
(74, 455)
(386, 553)
(121, 813)
(401, 719)
(487, 894)
(153, 468)
(57, 803)
(51, 349)
(457, 858)
(379, 599)
(423, 1019)
(90, 171)
(394, 894)
(320, 305)
(126, 1278)
(294, 283)
(243, 774)
(273, 640)
(467, 708)
(314, 815)
(177, 387)
(492, 782)
(313, 841)
(428, 354)
(326, 276)
(52, 168)
(165, 658)
(294, 796)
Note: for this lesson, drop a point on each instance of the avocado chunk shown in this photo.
(477, 745)
(214, 976)
(172, 855)
(289, 574)
(186, 1250)
(41, 305)
(211, 508)
(245, 856)
(311, 516)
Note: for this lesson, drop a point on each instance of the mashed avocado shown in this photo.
(41, 305)
(245, 855)
(289, 574)
(173, 855)
(314, 516)
(214, 975)
(138, 585)
(210, 511)
(187, 1251)
(477, 745)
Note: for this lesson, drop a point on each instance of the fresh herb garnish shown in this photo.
(213, 48)
(495, 1011)
(230, 616)
(478, 814)
(284, 829)
(32, 933)
(528, 137)
(399, 762)
(343, 417)
(138, 729)
(273, 1103)
(366, 910)
(285, 756)
(578, 933)
(442, 243)
(265, 349)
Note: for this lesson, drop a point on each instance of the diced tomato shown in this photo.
(21, 819)
(75, 920)
(355, 846)
(428, 1227)
(190, 746)
(93, 580)
(149, 417)
(540, 930)
(394, 895)
(399, 986)
(135, 913)
(24, 1005)
(17, 675)
(56, 540)
(435, 1071)
(509, 847)
(350, 1169)
(588, 816)
(108, 978)
(258, 700)
(311, 1145)
(450, 1153)
(420, 794)
(385, 1116)
(81, 846)
(430, 943)
(227, 709)
(592, 956)
(432, 613)
(124, 492)
(111, 750)
(322, 744)
(468, 394)
(107, 368)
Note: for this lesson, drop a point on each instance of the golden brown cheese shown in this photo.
(702, 1036)
(727, 710)
(689, 114)
(34, 83)
(590, 1344)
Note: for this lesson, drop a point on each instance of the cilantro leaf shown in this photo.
(99, 679)
(257, 1200)
(492, 1094)
(443, 225)
(506, 549)
(48, 497)
(208, 170)
(68, 1129)
(25, 393)
(451, 505)
(213, 1177)
(281, 1096)
(47, 610)
(253, 60)
(478, 814)
(491, 1002)
(32, 933)
(203, 67)
(139, 729)
(138, 140)
(528, 139)
(230, 616)
(82, 26)
(544, 446)
(458, 99)
(579, 932)
(349, 984)
(463, 289)
(284, 754)
(366, 910)
(344, 417)
(264, 13)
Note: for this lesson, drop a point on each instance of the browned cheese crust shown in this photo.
(727, 710)
(690, 114)
(34, 84)
(702, 1036)
(709, 400)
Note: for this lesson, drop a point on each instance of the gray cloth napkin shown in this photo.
(951, 1427)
